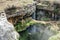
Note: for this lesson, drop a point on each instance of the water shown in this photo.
(39, 32)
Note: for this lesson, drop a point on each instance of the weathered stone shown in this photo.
(22, 7)
(7, 31)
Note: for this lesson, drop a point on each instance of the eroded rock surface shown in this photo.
(7, 31)
(22, 7)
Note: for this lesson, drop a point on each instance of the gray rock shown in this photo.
(7, 31)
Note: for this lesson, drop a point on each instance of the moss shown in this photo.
(20, 26)
(24, 35)
(45, 18)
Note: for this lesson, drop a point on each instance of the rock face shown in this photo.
(22, 7)
(7, 31)
(25, 8)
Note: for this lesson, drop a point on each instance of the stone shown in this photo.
(7, 31)
(23, 7)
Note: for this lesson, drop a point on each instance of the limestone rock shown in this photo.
(7, 31)
(25, 6)
(21, 11)
(17, 3)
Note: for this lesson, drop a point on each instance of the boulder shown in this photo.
(7, 31)
(22, 7)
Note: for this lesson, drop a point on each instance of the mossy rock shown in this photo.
(20, 26)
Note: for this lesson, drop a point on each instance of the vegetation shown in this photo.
(55, 37)
(45, 19)
(24, 35)
(22, 25)
(25, 23)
